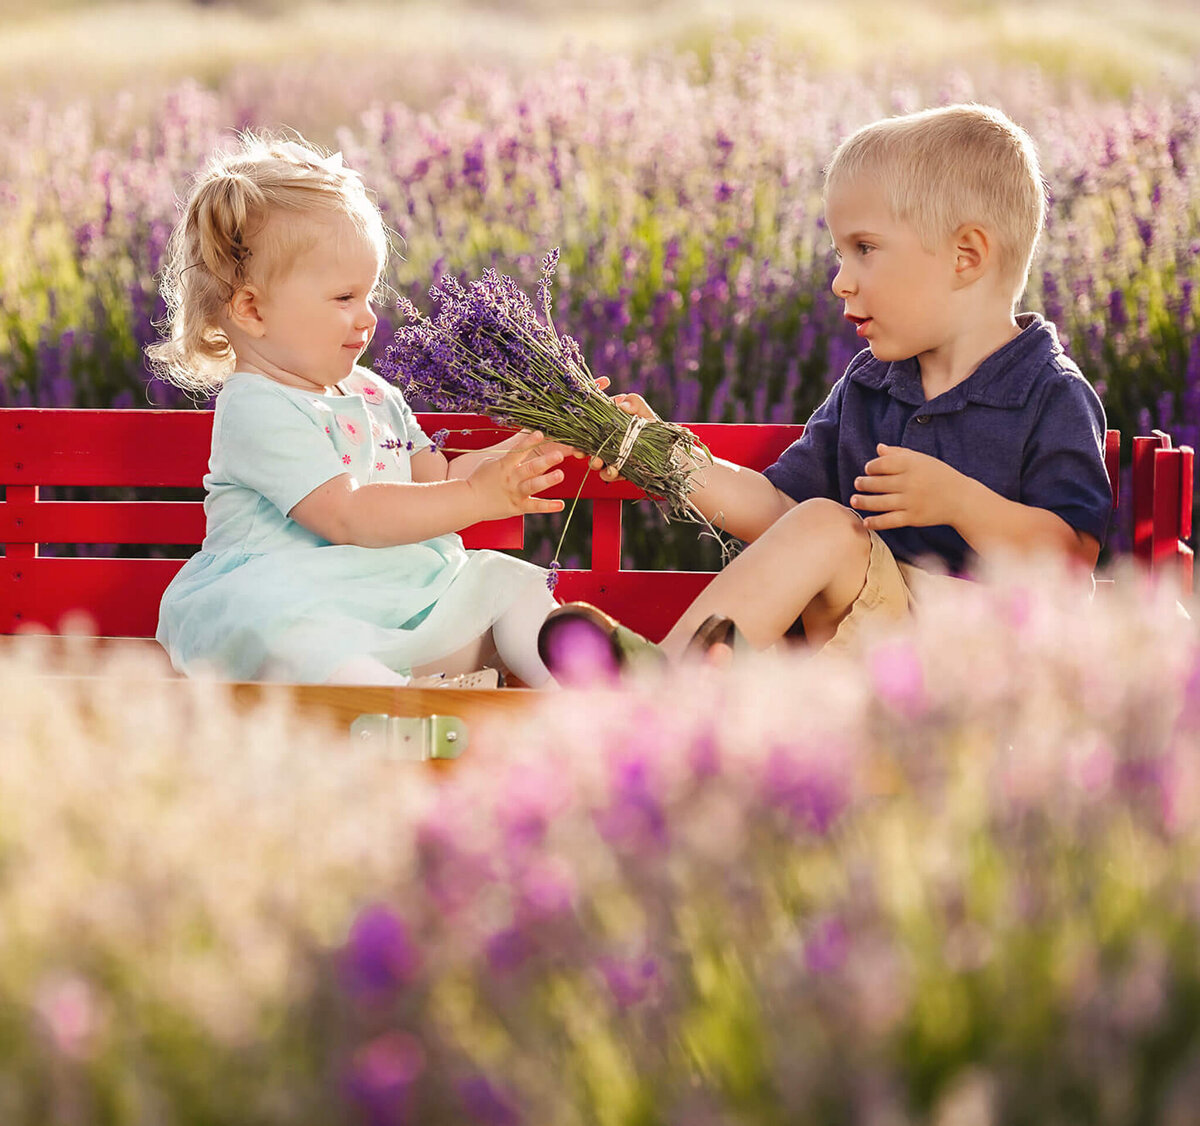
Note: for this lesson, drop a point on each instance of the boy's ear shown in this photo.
(972, 253)
(243, 311)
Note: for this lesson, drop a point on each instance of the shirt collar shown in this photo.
(1004, 379)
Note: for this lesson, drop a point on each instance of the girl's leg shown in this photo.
(365, 670)
(516, 632)
(811, 563)
(474, 655)
(512, 641)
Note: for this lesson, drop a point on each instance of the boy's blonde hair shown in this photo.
(941, 168)
(240, 225)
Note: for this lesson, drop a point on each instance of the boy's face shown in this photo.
(897, 293)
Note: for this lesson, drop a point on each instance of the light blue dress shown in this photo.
(266, 597)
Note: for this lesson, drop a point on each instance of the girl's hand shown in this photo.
(504, 485)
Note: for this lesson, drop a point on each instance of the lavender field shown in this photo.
(683, 190)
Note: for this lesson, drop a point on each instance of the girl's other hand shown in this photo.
(505, 485)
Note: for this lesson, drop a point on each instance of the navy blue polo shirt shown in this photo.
(1025, 423)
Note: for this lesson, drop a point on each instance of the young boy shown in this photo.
(962, 430)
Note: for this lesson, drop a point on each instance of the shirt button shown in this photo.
(922, 418)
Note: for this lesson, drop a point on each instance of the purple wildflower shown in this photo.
(898, 678)
(631, 981)
(826, 947)
(635, 817)
(437, 440)
(382, 1075)
(805, 788)
(379, 956)
(552, 574)
(508, 950)
(486, 1103)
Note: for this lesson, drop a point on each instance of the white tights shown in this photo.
(512, 639)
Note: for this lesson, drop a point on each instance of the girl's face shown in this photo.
(313, 321)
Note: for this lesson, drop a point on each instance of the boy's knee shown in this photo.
(840, 527)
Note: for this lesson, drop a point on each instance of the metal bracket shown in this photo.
(411, 738)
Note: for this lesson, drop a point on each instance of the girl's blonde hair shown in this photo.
(941, 168)
(225, 240)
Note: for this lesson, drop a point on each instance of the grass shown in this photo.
(81, 49)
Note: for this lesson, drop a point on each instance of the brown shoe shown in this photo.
(716, 630)
(579, 642)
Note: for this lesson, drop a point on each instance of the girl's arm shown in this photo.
(387, 513)
(431, 464)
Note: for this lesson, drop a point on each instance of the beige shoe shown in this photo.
(481, 678)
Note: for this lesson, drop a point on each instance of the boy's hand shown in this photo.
(504, 485)
(907, 489)
(630, 404)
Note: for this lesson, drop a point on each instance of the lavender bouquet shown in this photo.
(487, 351)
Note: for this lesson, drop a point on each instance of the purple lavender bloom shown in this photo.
(382, 1075)
(508, 950)
(807, 790)
(437, 440)
(552, 574)
(631, 981)
(826, 947)
(635, 817)
(899, 678)
(487, 1103)
(379, 956)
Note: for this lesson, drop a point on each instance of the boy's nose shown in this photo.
(841, 285)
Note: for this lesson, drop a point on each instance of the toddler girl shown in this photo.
(330, 553)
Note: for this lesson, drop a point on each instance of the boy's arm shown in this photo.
(735, 499)
(738, 500)
(904, 488)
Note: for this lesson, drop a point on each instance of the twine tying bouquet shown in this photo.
(487, 351)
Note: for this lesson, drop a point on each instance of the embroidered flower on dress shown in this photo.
(380, 465)
(372, 393)
(345, 459)
(351, 429)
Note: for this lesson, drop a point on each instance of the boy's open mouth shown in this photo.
(860, 323)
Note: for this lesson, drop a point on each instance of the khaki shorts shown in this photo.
(891, 591)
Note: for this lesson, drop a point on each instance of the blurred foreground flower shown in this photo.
(951, 878)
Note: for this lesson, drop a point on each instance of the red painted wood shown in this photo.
(1187, 479)
(1142, 489)
(1165, 509)
(104, 447)
(1112, 462)
(606, 535)
(20, 494)
(120, 596)
(650, 602)
(140, 521)
(165, 522)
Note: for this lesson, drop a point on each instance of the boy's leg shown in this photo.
(811, 563)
